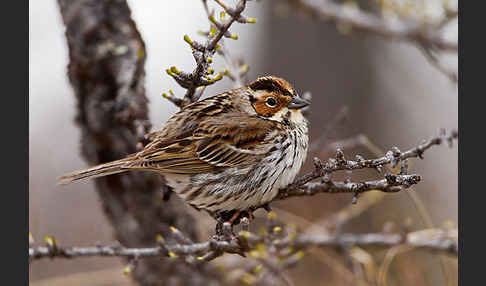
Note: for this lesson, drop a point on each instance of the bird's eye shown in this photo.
(271, 101)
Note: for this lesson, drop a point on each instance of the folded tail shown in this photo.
(101, 170)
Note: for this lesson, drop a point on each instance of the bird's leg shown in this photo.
(234, 217)
(224, 231)
(227, 231)
(245, 223)
(228, 219)
(225, 221)
(246, 218)
(234, 220)
(250, 214)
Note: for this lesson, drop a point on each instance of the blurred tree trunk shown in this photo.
(106, 70)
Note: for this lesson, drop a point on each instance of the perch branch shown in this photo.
(430, 239)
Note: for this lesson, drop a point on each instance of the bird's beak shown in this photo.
(298, 103)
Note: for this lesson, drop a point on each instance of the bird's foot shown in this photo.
(228, 219)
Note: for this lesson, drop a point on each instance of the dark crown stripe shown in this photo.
(269, 84)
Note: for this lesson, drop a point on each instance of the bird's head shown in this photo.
(274, 98)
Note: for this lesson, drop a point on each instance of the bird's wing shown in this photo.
(215, 142)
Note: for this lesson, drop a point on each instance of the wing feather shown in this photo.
(213, 142)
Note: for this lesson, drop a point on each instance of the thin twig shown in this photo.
(391, 183)
(388, 186)
(200, 76)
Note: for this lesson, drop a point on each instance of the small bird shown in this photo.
(228, 153)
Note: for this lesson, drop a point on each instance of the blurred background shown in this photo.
(390, 92)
